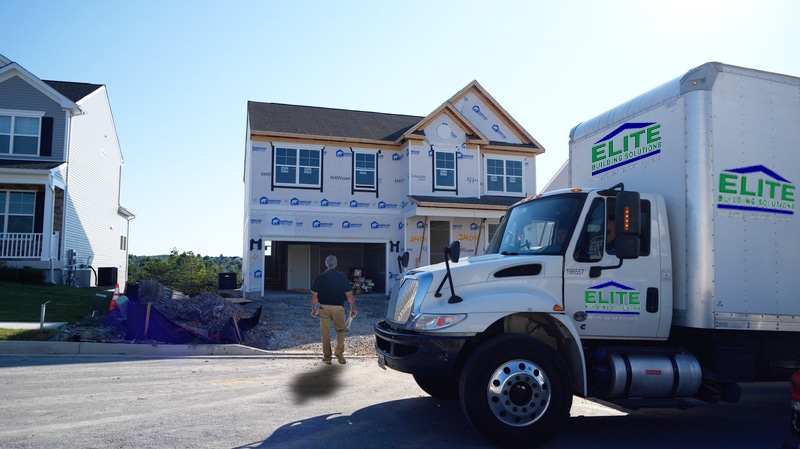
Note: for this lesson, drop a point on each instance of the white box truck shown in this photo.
(666, 275)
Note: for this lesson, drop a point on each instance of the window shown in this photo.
(297, 167)
(364, 171)
(444, 170)
(599, 234)
(123, 234)
(19, 134)
(504, 176)
(491, 230)
(17, 211)
(644, 231)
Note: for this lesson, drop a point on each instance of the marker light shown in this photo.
(626, 219)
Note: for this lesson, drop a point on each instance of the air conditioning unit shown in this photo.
(106, 276)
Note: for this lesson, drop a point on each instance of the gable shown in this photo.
(13, 70)
(483, 121)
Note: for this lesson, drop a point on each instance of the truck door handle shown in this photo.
(652, 300)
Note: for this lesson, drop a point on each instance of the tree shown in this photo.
(185, 272)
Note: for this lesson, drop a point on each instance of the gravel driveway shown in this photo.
(286, 324)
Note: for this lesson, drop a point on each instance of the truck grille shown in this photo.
(402, 301)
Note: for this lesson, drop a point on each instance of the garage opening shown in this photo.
(370, 258)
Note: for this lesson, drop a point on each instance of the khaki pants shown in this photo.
(326, 315)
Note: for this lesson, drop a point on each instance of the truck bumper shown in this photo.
(414, 353)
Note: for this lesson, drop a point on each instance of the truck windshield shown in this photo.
(540, 226)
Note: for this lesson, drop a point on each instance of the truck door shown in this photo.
(621, 302)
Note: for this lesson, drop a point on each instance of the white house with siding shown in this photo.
(60, 177)
(367, 186)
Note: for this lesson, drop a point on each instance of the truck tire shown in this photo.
(438, 387)
(515, 390)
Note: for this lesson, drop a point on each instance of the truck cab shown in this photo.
(570, 278)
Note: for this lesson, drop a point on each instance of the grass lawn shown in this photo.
(23, 302)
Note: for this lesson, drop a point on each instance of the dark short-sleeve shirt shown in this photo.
(331, 287)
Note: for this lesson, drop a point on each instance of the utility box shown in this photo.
(106, 276)
(227, 281)
(83, 278)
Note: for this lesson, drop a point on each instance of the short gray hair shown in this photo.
(330, 261)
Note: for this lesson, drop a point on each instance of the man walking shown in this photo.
(330, 289)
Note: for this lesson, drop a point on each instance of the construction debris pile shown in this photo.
(280, 321)
(158, 314)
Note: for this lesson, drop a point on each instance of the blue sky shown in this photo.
(179, 75)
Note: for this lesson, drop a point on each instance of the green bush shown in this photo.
(8, 273)
(29, 275)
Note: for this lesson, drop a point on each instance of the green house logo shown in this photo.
(612, 298)
(625, 145)
(755, 189)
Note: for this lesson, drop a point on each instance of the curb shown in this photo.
(91, 349)
(68, 348)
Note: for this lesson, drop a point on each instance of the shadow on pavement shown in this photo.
(428, 422)
(431, 422)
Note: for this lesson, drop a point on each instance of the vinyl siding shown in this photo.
(93, 187)
(16, 94)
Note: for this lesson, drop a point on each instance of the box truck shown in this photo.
(665, 274)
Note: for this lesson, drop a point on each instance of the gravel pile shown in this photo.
(286, 323)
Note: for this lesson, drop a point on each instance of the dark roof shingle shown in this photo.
(338, 123)
(74, 91)
(28, 165)
(486, 200)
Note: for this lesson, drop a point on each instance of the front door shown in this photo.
(440, 239)
(621, 302)
(299, 268)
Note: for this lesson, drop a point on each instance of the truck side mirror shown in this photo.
(627, 225)
(403, 259)
(453, 252)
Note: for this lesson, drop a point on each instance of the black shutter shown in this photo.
(46, 140)
(38, 216)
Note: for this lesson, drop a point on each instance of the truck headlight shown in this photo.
(435, 322)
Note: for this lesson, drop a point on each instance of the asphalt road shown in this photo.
(267, 402)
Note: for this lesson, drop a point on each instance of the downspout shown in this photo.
(52, 214)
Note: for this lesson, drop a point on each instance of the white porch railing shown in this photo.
(15, 245)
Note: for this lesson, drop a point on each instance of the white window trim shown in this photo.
(374, 186)
(20, 113)
(486, 175)
(298, 147)
(455, 168)
(7, 214)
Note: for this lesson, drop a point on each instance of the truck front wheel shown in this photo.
(515, 390)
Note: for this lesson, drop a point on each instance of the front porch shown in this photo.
(21, 245)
